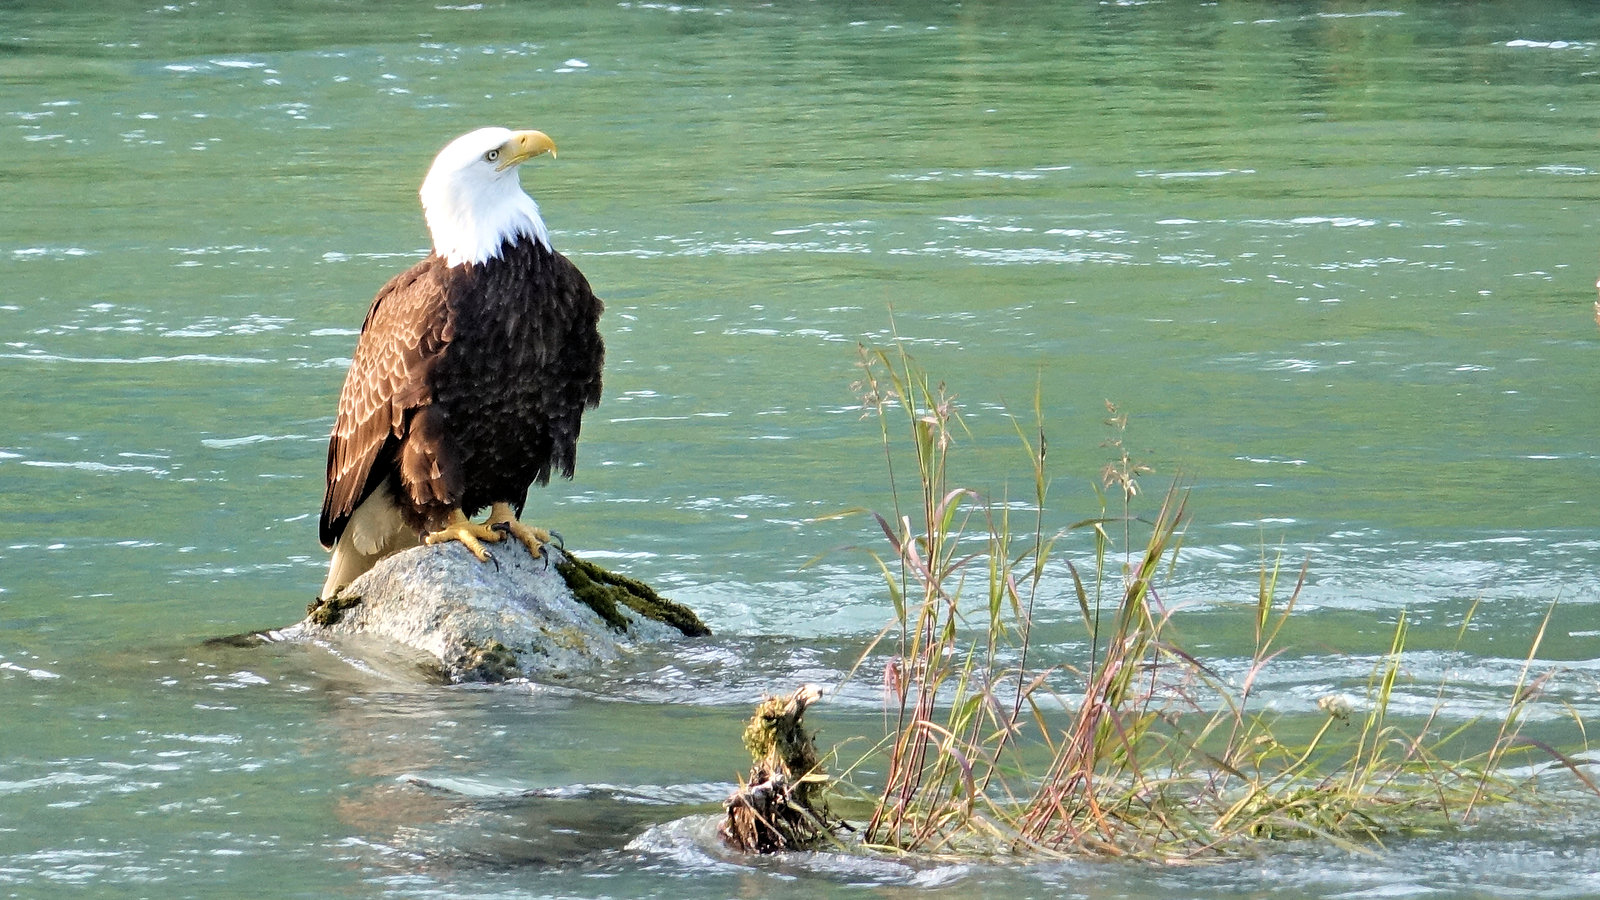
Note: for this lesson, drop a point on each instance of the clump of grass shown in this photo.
(1142, 750)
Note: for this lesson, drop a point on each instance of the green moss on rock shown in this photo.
(491, 664)
(328, 612)
(604, 592)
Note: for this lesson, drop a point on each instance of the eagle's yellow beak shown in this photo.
(523, 146)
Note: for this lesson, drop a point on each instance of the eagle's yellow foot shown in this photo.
(460, 528)
(503, 519)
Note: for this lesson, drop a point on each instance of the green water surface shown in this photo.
(1335, 260)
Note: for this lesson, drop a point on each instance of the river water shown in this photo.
(1336, 261)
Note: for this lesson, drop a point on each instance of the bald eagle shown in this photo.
(470, 378)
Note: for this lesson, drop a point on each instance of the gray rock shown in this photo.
(512, 617)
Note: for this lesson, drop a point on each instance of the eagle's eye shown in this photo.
(492, 155)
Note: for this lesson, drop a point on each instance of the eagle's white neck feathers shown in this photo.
(471, 208)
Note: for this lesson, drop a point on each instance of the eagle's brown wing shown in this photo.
(581, 356)
(405, 333)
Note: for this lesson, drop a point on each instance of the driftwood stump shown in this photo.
(781, 806)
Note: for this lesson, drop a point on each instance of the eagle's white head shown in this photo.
(473, 199)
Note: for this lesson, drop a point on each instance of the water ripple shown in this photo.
(41, 356)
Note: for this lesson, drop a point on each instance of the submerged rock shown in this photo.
(512, 617)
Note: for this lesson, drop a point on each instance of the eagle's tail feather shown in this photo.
(374, 531)
(346, 566)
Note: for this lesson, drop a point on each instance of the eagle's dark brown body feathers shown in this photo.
(467, 385)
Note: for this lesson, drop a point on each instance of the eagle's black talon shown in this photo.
(558, 540)
(502, 527)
